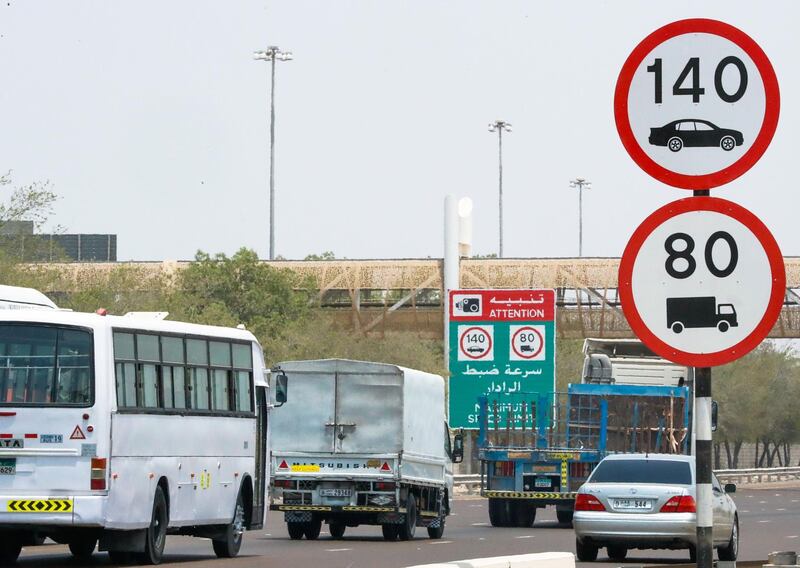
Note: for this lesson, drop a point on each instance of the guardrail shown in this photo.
(471, 483)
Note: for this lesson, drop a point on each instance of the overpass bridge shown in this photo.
(379, 296)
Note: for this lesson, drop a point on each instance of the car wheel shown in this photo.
(617, 553)
(675, 144)
(727, 143)
(731, 551)
(585, 551)
(337, 530)
(677, 327)
(723, 326)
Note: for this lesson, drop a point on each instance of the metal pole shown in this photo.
(500, 162)
(580, 220)
(703, 463)
(272, 163)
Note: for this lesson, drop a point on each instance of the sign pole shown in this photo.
(703, 465)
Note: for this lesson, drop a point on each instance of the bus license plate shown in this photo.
(541, 482)
(335, 492)
(8, 466)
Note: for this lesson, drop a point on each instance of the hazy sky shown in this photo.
(151, 121)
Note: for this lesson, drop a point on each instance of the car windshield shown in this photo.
(643, 471)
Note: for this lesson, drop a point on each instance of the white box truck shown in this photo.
(362, 443)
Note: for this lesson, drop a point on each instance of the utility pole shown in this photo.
(272, 54)
(498, 126)
(580, 183)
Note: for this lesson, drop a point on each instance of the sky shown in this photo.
(150, 119)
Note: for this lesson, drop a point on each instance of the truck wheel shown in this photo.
(155, 537)
(564, 516)
(498, 512)
(296, 530)
(523, 514)
(9, 552)
(389, 532)
(337, 529)
(83, 548)
(228, 546)
(677, 327)
(312, 529)
(723, 326)
(437, 532)
(409, 527)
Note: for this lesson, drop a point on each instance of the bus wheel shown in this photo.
(83, 548)
(156, 534)
(9, 552)
(229, 545)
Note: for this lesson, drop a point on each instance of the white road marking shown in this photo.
(481, 538)
(480, 524)
(780, 509)
(765, 521)
(761, 502)
(441, 542)
(337, 549)
(793, 536)
(525, 536)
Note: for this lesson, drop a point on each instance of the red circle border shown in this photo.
(762, 233)
(541, 338)
(771, 112)
(461, 343)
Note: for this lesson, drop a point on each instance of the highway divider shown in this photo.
(538, 560)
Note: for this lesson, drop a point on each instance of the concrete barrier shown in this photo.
(538, 560)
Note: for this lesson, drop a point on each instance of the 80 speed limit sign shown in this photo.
(702, 281)
(696, 103)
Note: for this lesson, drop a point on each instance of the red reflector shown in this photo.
(6, 436)
(382, 486)
(680, 504)
(97, 484)
(586, 502)
(385, 467)
(287, 483)
(31, 436)
(8, 413)
(283, 465)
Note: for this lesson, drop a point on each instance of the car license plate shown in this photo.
(541, 482)
(8, 466)
(335, 492)
(632, 504)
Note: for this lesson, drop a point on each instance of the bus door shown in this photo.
(262, 471)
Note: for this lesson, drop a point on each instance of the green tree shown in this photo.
(326, 255)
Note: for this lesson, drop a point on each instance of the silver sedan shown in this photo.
(648, 501)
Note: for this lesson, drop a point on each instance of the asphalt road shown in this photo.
(769, 520)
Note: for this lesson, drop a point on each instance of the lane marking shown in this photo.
(780, 509)
(480, 524)
(793, 536)
(765, 521)
(337, 549)
(745, 511)
(525, 536)
(441, 542)
(482, 538)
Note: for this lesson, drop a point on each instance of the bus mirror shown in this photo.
(714, 415)
(458, 448)
(281, 387)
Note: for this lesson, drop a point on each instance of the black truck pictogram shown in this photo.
(699, 311)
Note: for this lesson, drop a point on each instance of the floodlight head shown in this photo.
(492, 128)
(286, 56)
(464, 207)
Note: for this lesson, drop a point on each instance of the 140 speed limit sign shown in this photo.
(696, 103)
(702, 281)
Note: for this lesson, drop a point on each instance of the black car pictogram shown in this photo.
(475, 349)
(694, 133)
(526, 348)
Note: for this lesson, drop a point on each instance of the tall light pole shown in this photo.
(498, 126)
(580, 183)
(272, 54)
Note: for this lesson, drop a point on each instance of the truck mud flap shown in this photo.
(529, 495)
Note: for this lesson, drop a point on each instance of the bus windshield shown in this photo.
(45, 365)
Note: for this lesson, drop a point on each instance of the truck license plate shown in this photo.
(335, 492)
(541, 482)
(8, 466)
(632, 504)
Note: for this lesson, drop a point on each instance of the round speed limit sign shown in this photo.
(696, 103)
(702, 281)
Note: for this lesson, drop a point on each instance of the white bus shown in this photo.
(120, 430)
